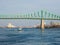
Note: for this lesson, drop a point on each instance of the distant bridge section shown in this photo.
(36, 15)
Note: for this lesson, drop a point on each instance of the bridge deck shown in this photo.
(32, 18)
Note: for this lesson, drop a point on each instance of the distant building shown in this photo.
(10, 25)
(55, 23)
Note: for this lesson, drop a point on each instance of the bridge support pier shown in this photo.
(42, 24)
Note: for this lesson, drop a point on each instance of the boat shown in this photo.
(19, 29)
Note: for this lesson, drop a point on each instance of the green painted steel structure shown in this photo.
(36, 15)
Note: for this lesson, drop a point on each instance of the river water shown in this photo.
(30, 36)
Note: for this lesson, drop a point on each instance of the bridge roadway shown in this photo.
(32, 18)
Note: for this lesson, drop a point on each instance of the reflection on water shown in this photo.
(42, 30)
(30, 36)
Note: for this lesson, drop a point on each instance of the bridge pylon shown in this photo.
(42, 24)
(42, 21)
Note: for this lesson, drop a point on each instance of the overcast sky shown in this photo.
(13, 7)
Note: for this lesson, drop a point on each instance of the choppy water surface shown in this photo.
(29, 36)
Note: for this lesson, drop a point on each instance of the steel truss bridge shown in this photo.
(40, 15)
